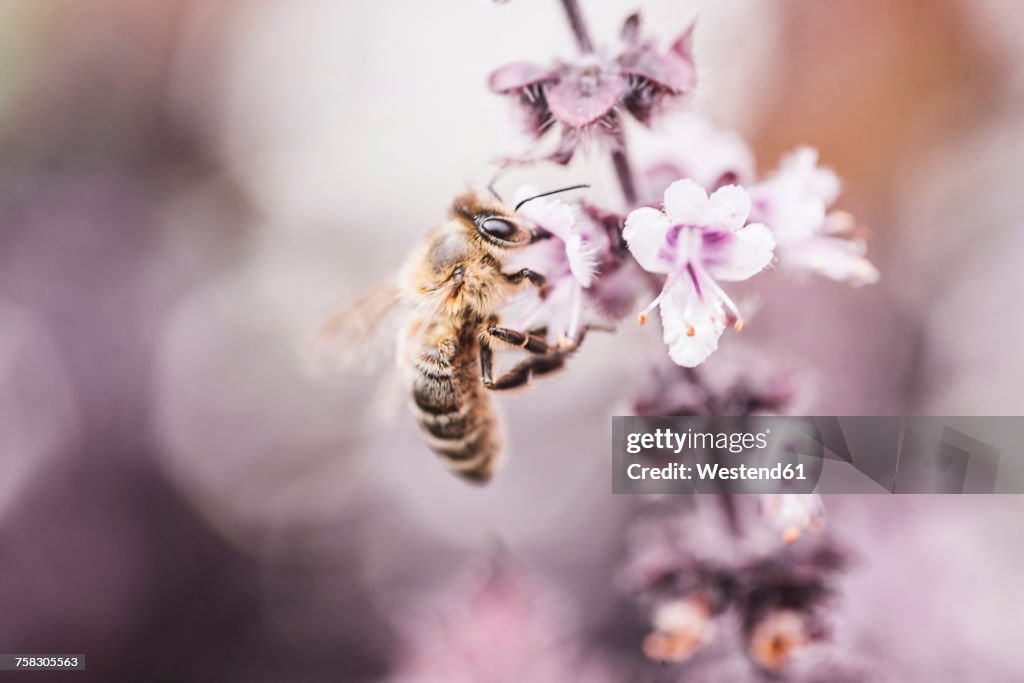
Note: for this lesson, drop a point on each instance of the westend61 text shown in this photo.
(711, 472)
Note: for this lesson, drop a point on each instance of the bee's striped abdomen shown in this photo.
(454, 411)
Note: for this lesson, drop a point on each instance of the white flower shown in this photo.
(695, 241)
(794, 204)
(569, 261)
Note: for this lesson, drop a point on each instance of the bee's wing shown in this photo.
(360, 336)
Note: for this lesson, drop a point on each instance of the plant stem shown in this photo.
(732, 517)
(624, 172)
(578, 25)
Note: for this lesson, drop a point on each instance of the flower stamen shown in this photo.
(641, 318)
(717, 290)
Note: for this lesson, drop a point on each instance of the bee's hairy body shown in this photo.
(456, 280)
(453, 285)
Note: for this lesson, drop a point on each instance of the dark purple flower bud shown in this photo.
(654, 76)
(527, 82)
(585, 98)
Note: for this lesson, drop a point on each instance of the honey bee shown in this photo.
(450, 290)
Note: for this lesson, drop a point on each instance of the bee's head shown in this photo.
(493, 221)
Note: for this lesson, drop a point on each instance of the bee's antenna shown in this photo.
(549, 192)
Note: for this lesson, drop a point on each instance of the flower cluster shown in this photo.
(685, 577)
(737, 231)
(696, 216)
(708, 218)
(794, 201)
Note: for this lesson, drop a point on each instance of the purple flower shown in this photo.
(696, 241)
(793, 203)
(584, 97)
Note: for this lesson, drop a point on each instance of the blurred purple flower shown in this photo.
(585, 97)
(501, 630)
(793, 202)
(777, 589)
(687, 145)
(694, 241)
(793, 514)
(739, 382)
(813, 663)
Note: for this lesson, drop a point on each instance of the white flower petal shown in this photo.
(691, 326)
(554, 215)
(524, 192)
(838, 259)
(728, 208)
(802, 165)
(645, 233)
(583, 259)
(800, 218)
(794, 200)
(547, 257)
(686, 203)
(744, 255)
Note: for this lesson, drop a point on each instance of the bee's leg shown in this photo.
(520, 374)
(534, 343)
(486, 363)
(535, 278)
(541, 364)
(567, 345)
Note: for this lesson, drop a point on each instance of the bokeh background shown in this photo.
(188, 188)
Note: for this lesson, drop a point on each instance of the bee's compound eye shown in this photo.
(499, 228)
